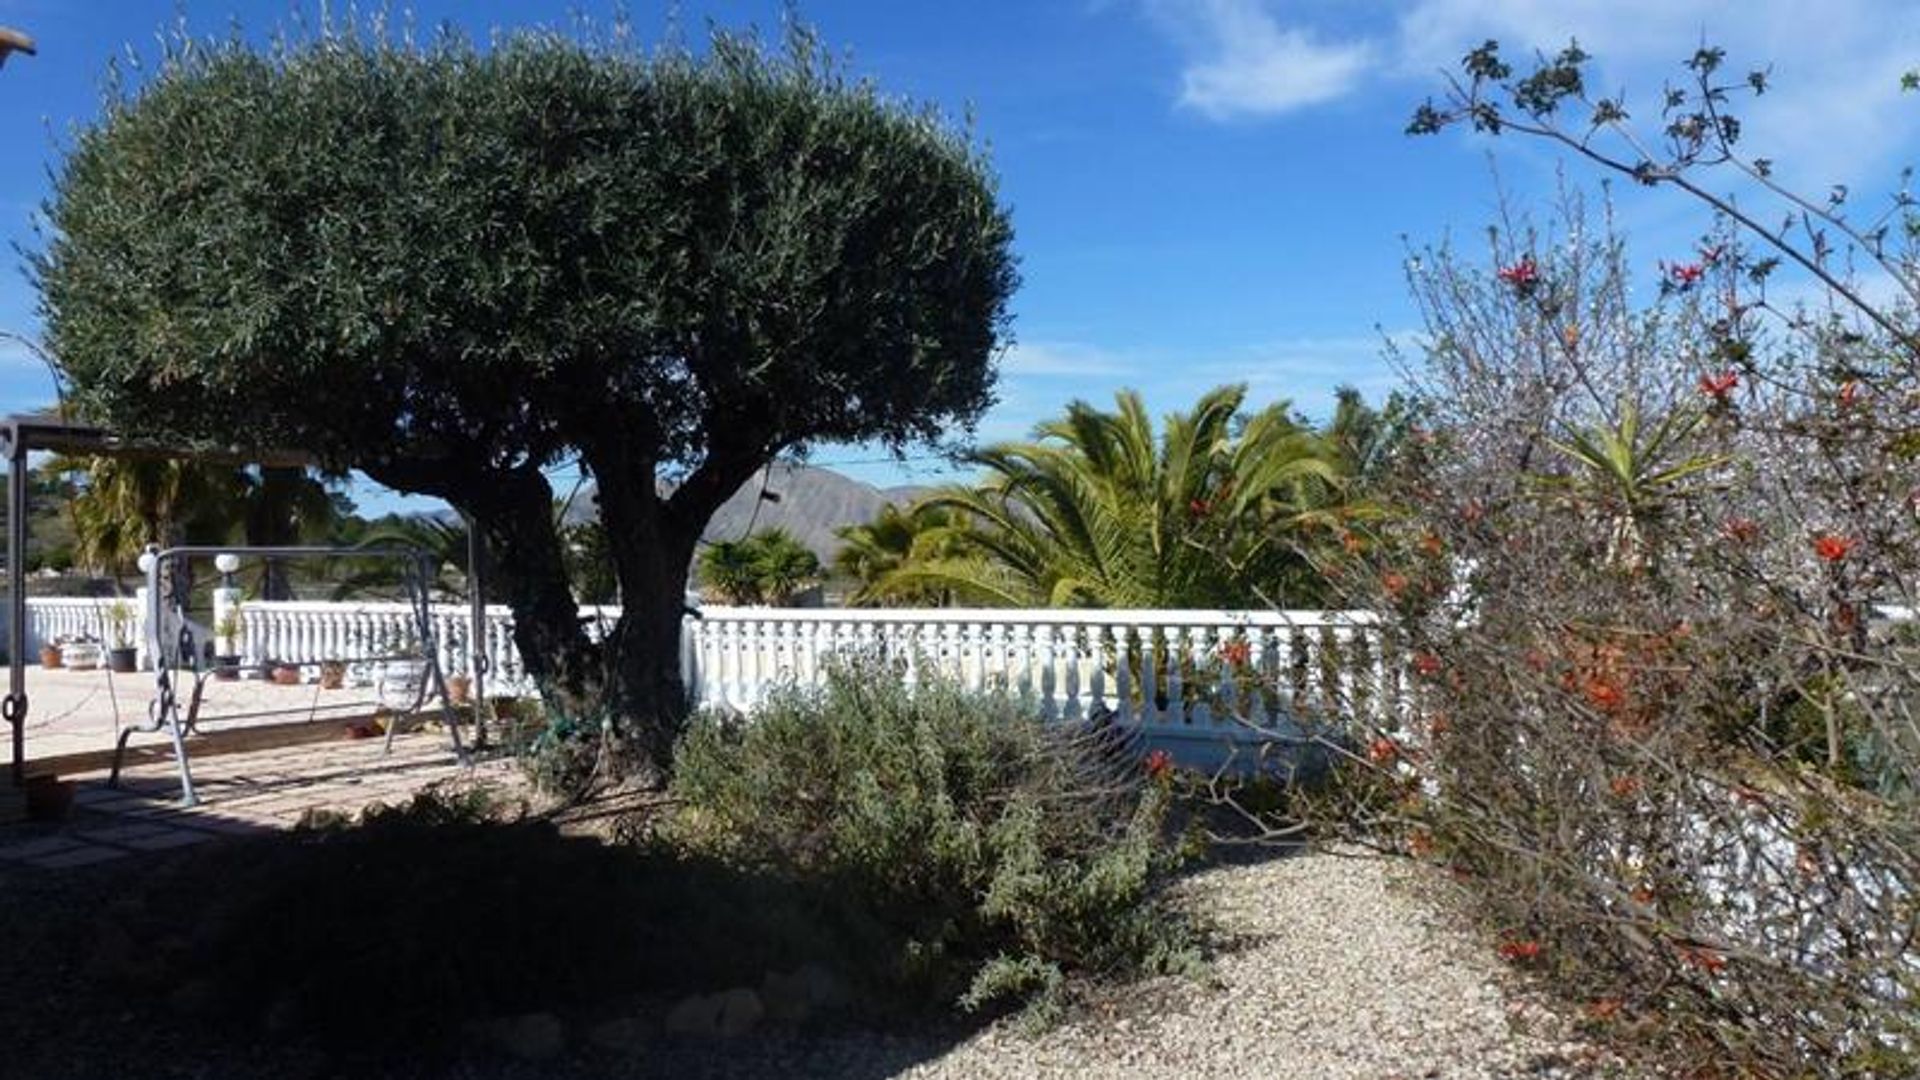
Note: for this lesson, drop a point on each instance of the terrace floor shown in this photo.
(339, 765)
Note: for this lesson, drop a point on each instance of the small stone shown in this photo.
(826, 991)
(785, 997)
(740, 1011)
(621, 1035)
(531, 1037)
(696, 1015)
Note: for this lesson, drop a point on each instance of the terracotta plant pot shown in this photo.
(333, 675)
(49, 656)
(459, 689)
(286, 675)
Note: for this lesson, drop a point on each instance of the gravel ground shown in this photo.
(1330, 968)
(1337, 968)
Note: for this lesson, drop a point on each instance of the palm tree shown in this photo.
(1100, 511)
(769, 567)
(872, 551)
(123, 504)
(731, 568)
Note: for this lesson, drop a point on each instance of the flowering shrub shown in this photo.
(1662, 705)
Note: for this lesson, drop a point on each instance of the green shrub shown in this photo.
(988, 856)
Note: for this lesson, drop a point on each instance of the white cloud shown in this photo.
(1243, 62)
(1835, 113)
(1064, 358)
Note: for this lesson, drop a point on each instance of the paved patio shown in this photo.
(240, 793)
(78, 711)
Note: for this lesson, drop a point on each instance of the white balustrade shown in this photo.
(1192, 672)
(53, 618)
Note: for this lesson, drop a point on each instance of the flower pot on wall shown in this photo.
(81, 656)
(459, 689)
(226, 668)
(50, 656)
(333, 674)
(123, 660)
(399, 686)
(286, 675)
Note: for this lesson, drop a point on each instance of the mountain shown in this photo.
(807, 501)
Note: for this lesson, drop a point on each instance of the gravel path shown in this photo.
(1338, 968)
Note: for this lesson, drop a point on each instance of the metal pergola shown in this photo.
(27, 433)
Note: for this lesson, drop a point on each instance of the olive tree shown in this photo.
(456, 267)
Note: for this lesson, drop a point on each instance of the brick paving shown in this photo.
(240, 794)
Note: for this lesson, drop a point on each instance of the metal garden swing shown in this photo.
(182, 664)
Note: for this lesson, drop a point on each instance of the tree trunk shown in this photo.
(632, 682)
(513, 511)
(651, 548)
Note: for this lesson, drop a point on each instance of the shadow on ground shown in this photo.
(433, 942)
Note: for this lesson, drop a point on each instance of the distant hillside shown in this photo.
(813, 502)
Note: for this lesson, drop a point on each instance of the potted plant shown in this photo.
(122, 657)
(402, 669)
(333, 674)
(459, 689)
(80, 654)
(50, 654)
(285, 674)
(228, 631)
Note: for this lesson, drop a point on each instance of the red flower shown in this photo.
(1522, 275)
(1832, 548)
(1624, 786)
(1518, 951)
(1199, 508)
(1473, 511)
(1605, 694)
(1236, 653)
(1439, 725)
(1717, 386)
(1712, 255)
(1849, 393)
(1395, 584)
(1705, 959)
(1431, 544)
(1426, 663)
(1420, 844)
(1352, 542)
(1158, 764)
(1383, 751)
(1741, 530)
(1603, 1008)
(1683, 275)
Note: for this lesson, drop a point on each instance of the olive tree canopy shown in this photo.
(455, 267)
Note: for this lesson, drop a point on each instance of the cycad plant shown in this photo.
(1630, 473)
(1218, 509)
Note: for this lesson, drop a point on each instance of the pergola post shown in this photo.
(15, 707)
(477, 631)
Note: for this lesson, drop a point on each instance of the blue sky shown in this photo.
(1204, 190)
